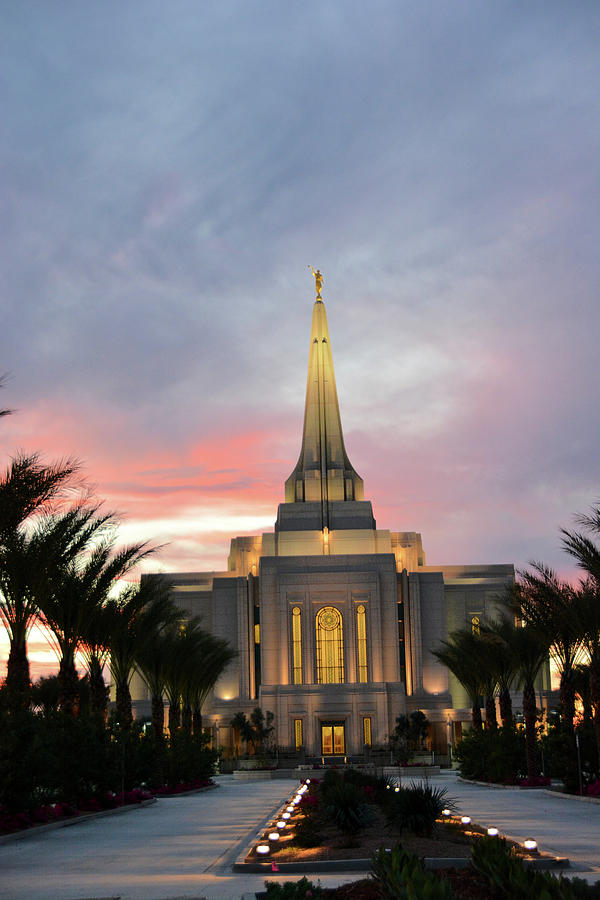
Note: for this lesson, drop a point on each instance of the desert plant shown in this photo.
(507, 876)
(416, 808)
(402, 875)
(346, 806)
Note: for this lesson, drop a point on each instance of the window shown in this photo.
(296, 645)
(367, 740)
(361, 639)
(330, 646)
(298, 733)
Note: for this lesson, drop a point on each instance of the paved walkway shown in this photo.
(562, 825)
(183, 847)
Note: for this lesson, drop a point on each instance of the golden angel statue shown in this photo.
(318, 281)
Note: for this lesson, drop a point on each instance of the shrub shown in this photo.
(508, 877)
(497, 756)
(306, 833)
(416, 808)
(402, 875)
(293, 890)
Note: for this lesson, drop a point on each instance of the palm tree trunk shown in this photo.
(476, 715)
(186, 718)
(123, 706)
(158, 716)
(18, 682)
(174, 716)
(98, 690)
(68, 687)
(595, 696)
(490, 713)
(197, 721)
(567, 699)
(506, 713)
(529, 714)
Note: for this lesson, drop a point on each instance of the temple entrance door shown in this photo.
(333, 739)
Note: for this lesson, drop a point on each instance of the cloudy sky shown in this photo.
(169, 171)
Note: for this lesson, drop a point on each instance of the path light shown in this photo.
(493, 832)
(466, 820)
(446, 813)
(290, 809)
(281, 824)
(286, 815)
(307, 781)
(273, 835)
(397, 790)
(263, 849)
(530, 844)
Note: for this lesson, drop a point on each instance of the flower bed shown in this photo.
(56, 812)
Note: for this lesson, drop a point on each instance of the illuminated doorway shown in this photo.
(333, 739)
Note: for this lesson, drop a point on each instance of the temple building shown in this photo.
(333, 618)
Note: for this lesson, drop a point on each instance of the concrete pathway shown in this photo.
(184, 847)
(562, 825)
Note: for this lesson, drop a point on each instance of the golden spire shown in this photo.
(318, 281)
(323, 471)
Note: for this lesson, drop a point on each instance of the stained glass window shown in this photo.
(330, 646)
(361, 638)
(297, 645)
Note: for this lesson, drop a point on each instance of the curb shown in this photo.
(73, 820)
(517, 787)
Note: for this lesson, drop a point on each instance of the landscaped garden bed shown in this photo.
(352, 820)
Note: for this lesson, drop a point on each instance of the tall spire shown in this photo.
(323, 471)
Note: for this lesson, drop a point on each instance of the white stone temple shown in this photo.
(334, 619)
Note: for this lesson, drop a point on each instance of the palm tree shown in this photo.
(185, 653)
(545, 602)
(153, 660)
(95, 649)
(213, 656)
(30, 558)
(82, 586)
(455, 655)
(27, 487)
(140, 613)
(501, 659)
(586, 613)
(586, 601)
(530, 650)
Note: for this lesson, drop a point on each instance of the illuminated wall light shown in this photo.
(466, 820)
(530, 844)
(263, 849)
(493, 832)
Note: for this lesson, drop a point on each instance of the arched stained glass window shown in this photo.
(330, 646)
(475, 624)
(297, 645)
(361, 639)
